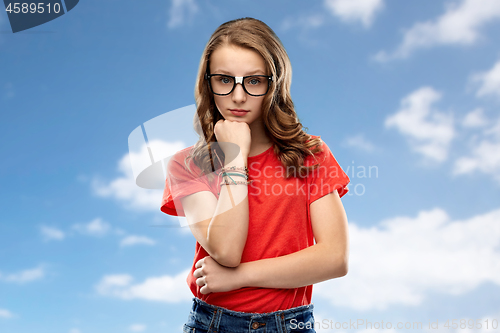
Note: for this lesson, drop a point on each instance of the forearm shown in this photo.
(228, 229)
(308, 266)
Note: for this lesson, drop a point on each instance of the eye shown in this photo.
(254, 80)
(225, 79)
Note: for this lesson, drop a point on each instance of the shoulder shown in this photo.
(312, 137)
(322, 149)
(319, 141)
(180, 155)
(176, 161)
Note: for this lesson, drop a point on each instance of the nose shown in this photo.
(239, 94)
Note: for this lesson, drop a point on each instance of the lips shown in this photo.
(238, 112)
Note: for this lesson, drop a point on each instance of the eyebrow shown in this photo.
(249, 73)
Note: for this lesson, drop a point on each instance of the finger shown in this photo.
(199, 263)
(197, 273)
(201, 281)
(204, 290)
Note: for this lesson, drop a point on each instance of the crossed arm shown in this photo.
(325, 260)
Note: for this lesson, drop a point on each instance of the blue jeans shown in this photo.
(207, 318)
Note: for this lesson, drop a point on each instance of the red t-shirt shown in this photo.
(279, 220)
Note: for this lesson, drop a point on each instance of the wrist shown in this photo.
(243, 276)
(244, 154)
(239, 160)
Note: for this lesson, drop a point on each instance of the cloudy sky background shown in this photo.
(410, 92)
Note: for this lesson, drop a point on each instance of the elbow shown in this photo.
(228, 259)
(226, 255)
(341, 266)
(344, 269)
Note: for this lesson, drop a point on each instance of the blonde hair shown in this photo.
(281, 124)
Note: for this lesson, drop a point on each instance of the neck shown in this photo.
(258, 134)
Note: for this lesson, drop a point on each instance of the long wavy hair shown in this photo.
(281, 124)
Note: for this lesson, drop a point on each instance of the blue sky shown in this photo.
(410, 89)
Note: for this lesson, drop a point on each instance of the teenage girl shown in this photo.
(261, 196)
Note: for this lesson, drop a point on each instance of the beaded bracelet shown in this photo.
(245, 169)
(234, 174)
(240, 171)
(233, 179)
(236, 183)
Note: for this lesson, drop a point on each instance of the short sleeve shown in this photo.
(180, 182)
(327, 177)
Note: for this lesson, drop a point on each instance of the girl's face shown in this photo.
(237, 61)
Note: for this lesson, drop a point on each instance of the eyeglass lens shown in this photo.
(255, 85)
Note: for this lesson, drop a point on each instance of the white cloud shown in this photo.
(459, 25)
(485, 158)
(117, 280)
(166, 288)
(358, 141)
(4, 313)
(428, 130)
(124, 188)
(475, 118)
(403, 259)
(362, 11)
(137, 328)
(181, 11)
(50, 233)
(136, 240)
(96, 227)
(349, 11)
(484, 154)
(489, 81)
(27, 275)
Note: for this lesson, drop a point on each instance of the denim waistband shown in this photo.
(211, 318)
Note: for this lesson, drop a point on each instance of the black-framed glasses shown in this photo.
(254, 85)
